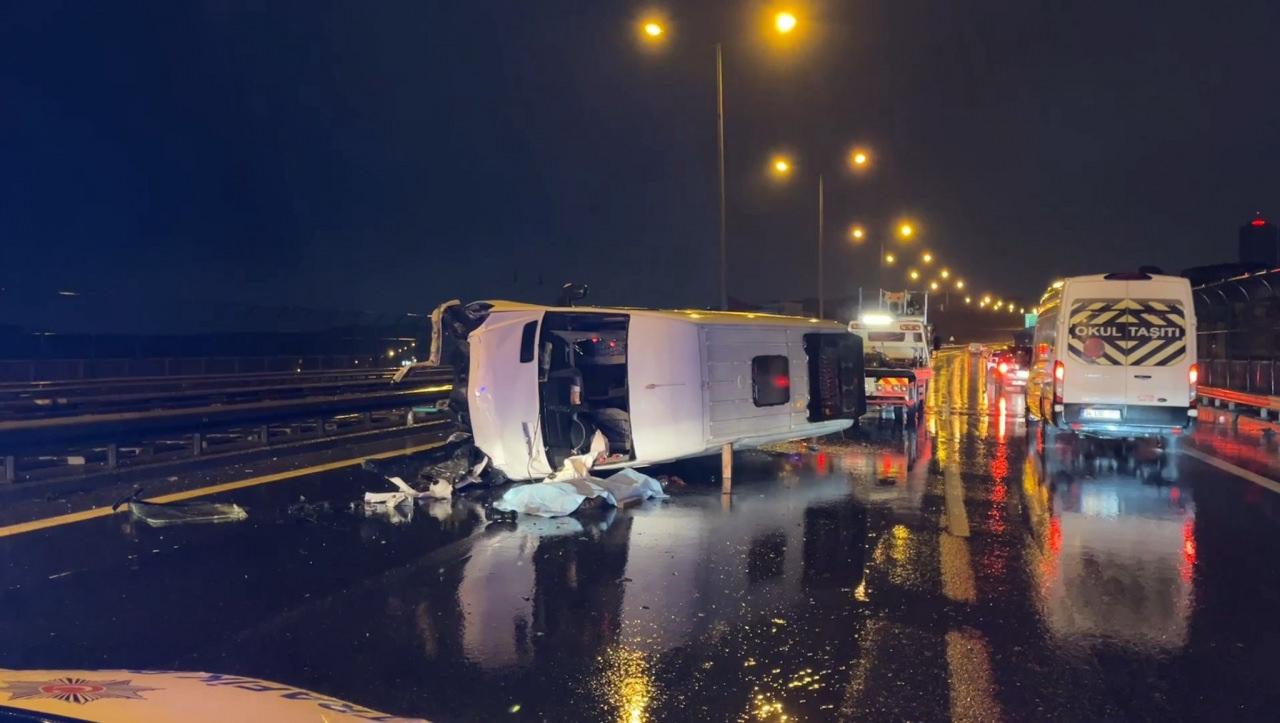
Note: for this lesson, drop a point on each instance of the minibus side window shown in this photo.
(528, 339)
(770, 380)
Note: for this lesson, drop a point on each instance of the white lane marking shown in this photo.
(1226, 466)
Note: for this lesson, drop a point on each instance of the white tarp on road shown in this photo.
(555, 499)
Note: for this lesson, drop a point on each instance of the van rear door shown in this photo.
(1127, 342)
(1159, 339)
(1095, 363)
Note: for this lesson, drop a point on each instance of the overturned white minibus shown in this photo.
(535, 383)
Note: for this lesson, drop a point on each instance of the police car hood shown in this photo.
(146, 696)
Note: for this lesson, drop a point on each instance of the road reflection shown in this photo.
(622, 593)
(1113, 545)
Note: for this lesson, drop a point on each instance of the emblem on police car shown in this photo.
(72, 690)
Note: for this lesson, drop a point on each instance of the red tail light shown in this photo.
(1004, 368)
(1059, 374)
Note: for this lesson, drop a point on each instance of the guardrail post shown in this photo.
(264, 435)
(112, 455)
(9, 474)
(196, 444)
(1264, 414)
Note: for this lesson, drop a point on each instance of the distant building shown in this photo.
(1259, 250)
(1260, 243)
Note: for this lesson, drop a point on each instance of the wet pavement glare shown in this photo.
(961, 569)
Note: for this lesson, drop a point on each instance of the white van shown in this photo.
(1114, 355)
(534, 383)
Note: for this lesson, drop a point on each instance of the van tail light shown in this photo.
(1059, 373)
(1193, 378)
(1003, 367)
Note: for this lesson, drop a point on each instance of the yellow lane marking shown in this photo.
(969, 678)
(1226, 466)
(953, 495)
(957, 569)
(94, 512)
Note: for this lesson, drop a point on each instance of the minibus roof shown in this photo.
(694, 316)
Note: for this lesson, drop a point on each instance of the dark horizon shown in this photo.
(386, 157)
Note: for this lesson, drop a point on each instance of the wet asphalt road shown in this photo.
(925, 574)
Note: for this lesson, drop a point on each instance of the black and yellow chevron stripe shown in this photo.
(1133, 332)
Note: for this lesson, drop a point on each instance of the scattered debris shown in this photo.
(403, 495)
(309, 511)
(440, 510)
(579, 466)
(671, 482)
(396, 507)
(156, 514)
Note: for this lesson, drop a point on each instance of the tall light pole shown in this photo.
(781, 167)
(724, 272)
(821, 277)
(653, 32)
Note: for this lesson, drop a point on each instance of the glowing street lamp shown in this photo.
(913, 274)
(653, 29)
(889, 259)
(859, 159)
(857, 233)
(906, 231)
(784, 22)
(968, 299)
(927, 257)
(933, 286)
(780, 166)
(959, 284)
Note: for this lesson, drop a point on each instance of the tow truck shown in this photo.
(897, 354)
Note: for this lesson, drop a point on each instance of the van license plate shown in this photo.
(1108, 414)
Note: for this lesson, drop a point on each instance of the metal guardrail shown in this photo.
(98, 421)
(79, 369)
(1266, 404)
(26, 403)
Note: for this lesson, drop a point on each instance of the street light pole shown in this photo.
(821, 279)
(724, 289)
(880, 275)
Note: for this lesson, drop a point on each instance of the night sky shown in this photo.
(388, 155)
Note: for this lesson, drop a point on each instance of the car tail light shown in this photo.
(1193, 377)
(1004, 368)
(1059, 374)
